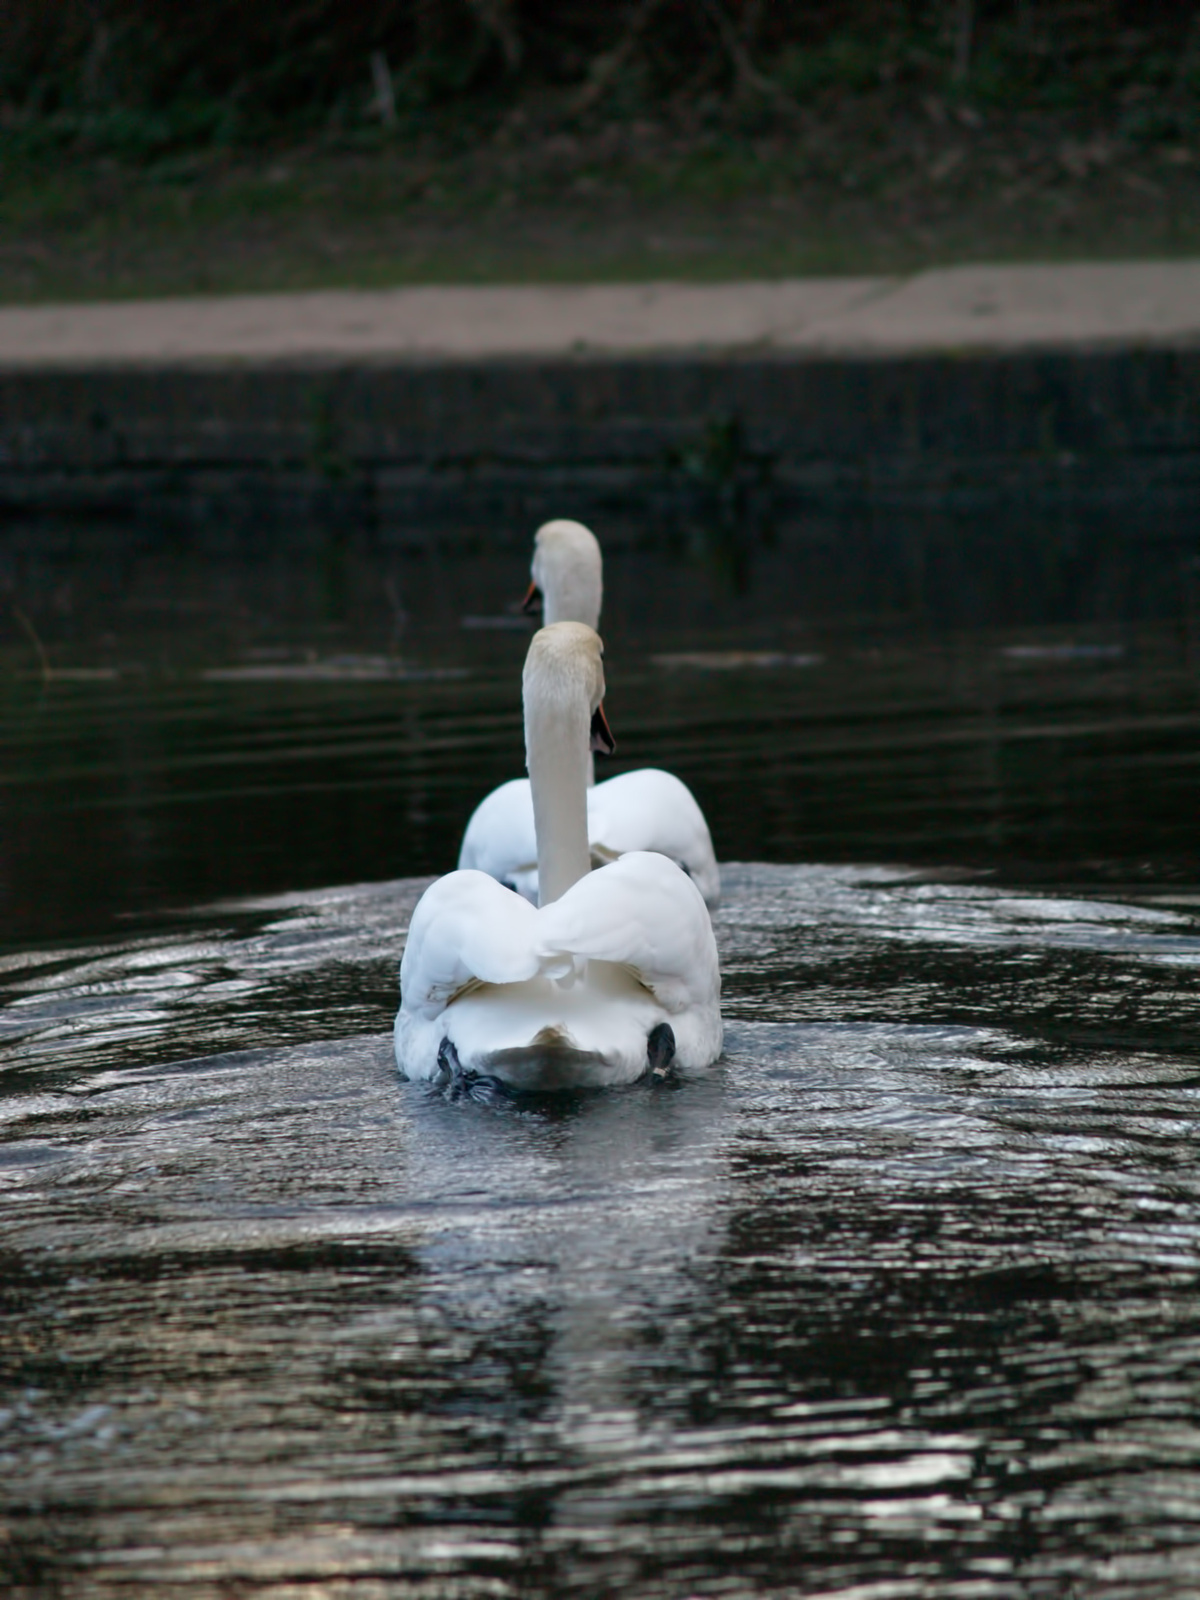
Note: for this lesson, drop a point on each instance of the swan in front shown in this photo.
(613, 974)
(647, 809)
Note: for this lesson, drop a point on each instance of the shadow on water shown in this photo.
(899, 1299)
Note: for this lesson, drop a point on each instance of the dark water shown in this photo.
(1060, 757)
(902, 1299)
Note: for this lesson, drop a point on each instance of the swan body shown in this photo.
(646, 809)
(642, 810)
(613, 972)
(567, 995)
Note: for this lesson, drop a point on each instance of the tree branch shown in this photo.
(746, 74)
(604, 68)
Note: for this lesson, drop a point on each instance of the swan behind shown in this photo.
(646, 809)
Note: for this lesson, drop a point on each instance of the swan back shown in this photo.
(568, 570)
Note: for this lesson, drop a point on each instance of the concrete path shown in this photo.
(959, 308)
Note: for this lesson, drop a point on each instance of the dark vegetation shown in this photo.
(147, 78)
(872, 130)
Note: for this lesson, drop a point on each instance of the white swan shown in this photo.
(613, 974)
(647, 809)
(568, 572)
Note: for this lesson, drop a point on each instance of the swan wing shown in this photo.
(653, 810)
(500, 838)
(466, 929)
(641, 912)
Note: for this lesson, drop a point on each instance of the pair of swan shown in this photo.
(642, 810)
(614, 971)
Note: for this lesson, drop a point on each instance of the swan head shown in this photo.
(563, 682)
(568, 571)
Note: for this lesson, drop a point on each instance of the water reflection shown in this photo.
(899, 1300)
(896, 1300)
(129, 799)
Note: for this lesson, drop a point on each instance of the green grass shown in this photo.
(867, 194)
(216, 147)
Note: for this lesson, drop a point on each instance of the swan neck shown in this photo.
(557, 753)
(570, 574)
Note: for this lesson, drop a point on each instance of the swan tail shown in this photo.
(644, 914)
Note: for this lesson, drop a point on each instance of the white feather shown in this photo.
(646, 809)
(642, 810)
(570, 992)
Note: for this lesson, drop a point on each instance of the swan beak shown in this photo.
(602, 740)
(532, 600)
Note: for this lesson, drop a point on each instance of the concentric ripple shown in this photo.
(899, 1300)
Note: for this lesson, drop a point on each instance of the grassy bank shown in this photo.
(473, 142)
(304, 218)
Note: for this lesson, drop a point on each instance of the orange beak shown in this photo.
(532, 599)
(603, 742)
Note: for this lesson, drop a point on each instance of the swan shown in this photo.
(614, 973)
(647, 809)
(568, 572)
